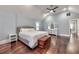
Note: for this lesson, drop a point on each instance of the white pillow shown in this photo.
(26, 29)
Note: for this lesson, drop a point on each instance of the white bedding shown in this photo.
(32, 37)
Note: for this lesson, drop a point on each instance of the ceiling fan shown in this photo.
(52, 8)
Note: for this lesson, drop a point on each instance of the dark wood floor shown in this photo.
(20, 48)
(58, 45)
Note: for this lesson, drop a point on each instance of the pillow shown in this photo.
(26, 29)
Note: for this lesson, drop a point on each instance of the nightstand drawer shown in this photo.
(12, 37)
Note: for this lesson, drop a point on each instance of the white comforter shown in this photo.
(32, 37)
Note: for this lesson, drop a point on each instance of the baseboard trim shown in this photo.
(5, 41)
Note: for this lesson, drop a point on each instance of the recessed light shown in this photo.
(46, 14)
(64, 9)
(70, 8)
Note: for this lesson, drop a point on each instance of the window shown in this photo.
(37, 25)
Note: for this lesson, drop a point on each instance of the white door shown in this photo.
(73, 26)
(78, 26)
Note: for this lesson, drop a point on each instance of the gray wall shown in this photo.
(48, 20)
(7, 24)
(63, 22)
(10, 20)
(23, 20)
(60, 20)
(14, 16)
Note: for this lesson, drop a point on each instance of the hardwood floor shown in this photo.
(20, 48)
(58, 45)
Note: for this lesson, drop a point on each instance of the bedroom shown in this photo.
(49, 29)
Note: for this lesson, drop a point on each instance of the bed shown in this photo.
(30, 36)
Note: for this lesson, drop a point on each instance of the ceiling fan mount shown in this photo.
(52, 8)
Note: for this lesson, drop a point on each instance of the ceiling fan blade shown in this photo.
(48, 9)
(54, 11)
(55, 7)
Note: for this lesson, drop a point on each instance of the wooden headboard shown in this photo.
(18, 28)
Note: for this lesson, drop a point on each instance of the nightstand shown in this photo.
(13, 37)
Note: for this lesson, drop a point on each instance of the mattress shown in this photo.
(31, 37)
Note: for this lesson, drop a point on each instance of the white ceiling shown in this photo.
(43, 7)
(38, 8)
(74, 8)
(36, 11)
